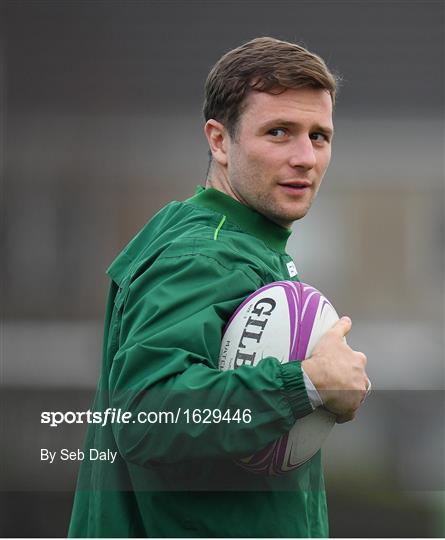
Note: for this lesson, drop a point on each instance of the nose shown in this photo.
(303, 154)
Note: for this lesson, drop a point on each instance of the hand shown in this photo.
(341, 419)
(338, 372)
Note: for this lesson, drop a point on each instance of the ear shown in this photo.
(218, 139)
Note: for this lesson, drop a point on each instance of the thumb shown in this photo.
(342, 326)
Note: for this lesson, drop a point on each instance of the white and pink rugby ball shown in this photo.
(284, 319)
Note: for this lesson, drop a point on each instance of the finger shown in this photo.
(342, 326)
(342, 418)
(362, 357)
(368, 389)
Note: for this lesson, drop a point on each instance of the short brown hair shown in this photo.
(263, 64)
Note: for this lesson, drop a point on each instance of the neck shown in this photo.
(218, 179)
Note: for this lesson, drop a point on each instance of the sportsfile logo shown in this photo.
(253, 330)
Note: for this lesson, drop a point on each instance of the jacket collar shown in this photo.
(273, 235)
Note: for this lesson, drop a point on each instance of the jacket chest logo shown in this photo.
(291, 269)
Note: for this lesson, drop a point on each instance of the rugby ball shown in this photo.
(284, 319)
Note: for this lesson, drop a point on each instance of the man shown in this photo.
(268, 114)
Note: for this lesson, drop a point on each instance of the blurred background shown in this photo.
(101, 126)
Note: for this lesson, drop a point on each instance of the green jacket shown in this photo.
(173, 289)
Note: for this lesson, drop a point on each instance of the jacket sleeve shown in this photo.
(165, 371)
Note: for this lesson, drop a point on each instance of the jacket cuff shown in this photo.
(295, 389)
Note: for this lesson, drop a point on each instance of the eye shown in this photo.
(319, 137)
(277, 132)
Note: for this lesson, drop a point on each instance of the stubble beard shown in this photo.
(280, 213)
(245, 187)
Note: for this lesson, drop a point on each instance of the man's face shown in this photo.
(282, 148)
